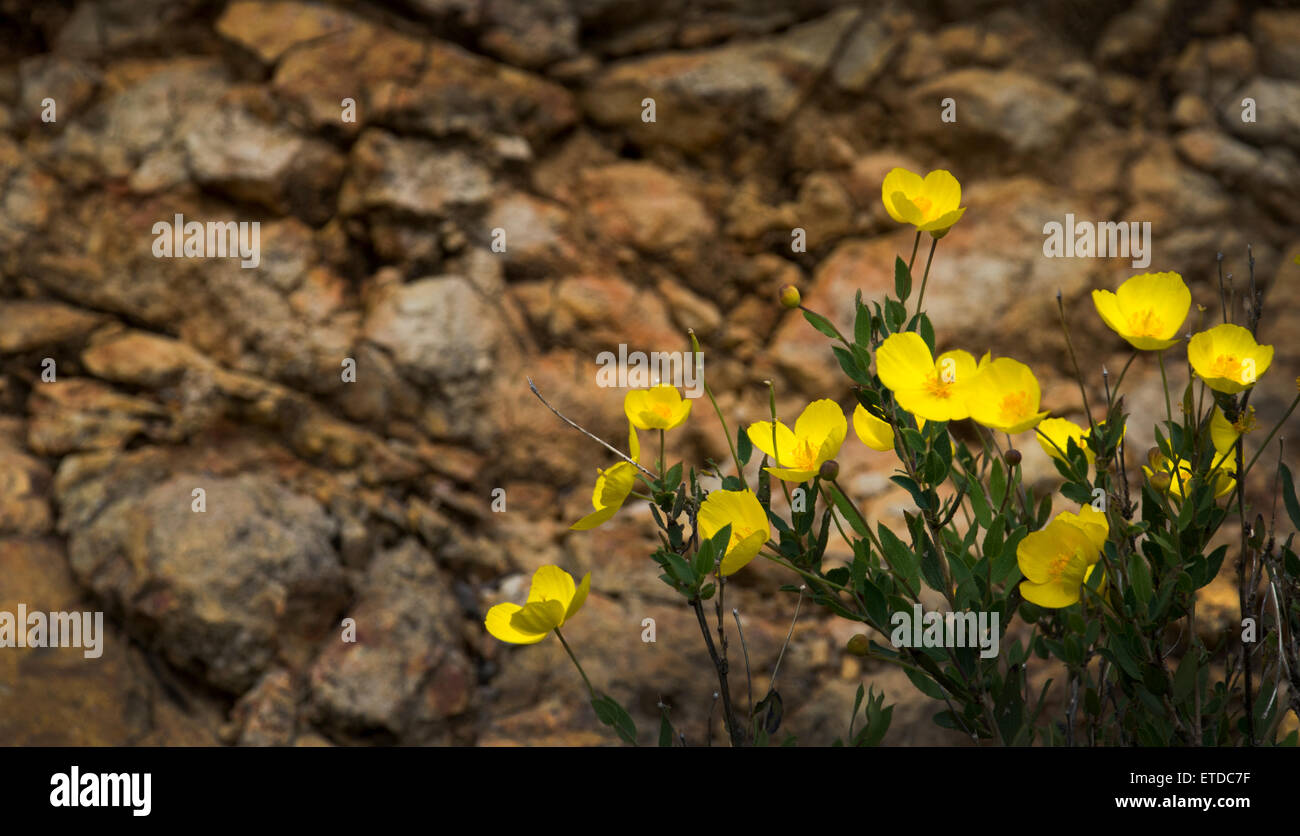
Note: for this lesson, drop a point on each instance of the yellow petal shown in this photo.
(904, 361)
(822, 421)
(872, 431)
(1053, 595)
(538, 617)
(551, 583)
(579, 597)
(902, 181)
(762, 436)
(498, 624)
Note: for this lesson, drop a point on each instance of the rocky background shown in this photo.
(372, 499)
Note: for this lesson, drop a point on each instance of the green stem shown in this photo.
(731, 442)
(576, 663)
(920, 300)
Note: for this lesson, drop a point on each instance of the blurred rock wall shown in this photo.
(371, 499)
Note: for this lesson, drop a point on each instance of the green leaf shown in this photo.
(1288, 495)
(616, 717)
(744, 447)
(902, 280)
(900, 557)
(849, 511)
(1139, 578)
(924, 684)
(822, 324)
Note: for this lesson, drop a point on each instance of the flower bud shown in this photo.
(790, 296)
(1155, 459)
(829, 470)
(1012, 457)
(859, 645)
(1160, 480)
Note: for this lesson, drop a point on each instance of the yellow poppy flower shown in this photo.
(818, 433)
(612, 488)
(552, 600)
(749, 526)
(931, 205)
(929, 389)
(1147, 310)
(1054, 435)
(1223, 433)
(1058, 559)
(657, 408)
(872, 431)
(1180, 473)
(1227, 358)
(1004, 396)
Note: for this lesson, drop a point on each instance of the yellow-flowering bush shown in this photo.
(1107, 591)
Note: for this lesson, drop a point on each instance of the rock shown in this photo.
(1011, 110)
(643, 206)
(27, 325)
(270, 29)
(432, 327)
(1277, 109)
(223, 593)
(59, 697)
(1277, 32)
(412, 176)
(78, 414)
(248, 159)
(427, 86)
(405, 673)
(267, 714)
(705, 96)
(1135, 35)
(70, 83)
(24, 493)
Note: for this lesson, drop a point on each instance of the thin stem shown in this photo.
(749, 680)
(1164, 380)
(731, 442)
(580, 429)
(920, 300)
(576, 663)
(776, 668)
(915, 243)
(720, 665)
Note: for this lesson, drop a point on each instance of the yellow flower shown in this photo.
(749, 527)
(552, 600)
(816, 438)
(929, 389)
(1005, 396)
(1227, 358)
(1147, 310)
(1180, 473)
(612, 488)
(931, 205)
(657, 408)
(1058, 559)
(872, 431)
(1054, 436)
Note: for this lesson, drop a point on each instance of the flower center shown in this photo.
(1226, 366)
(803, 456)
(924, 204)
(739, 533)
(1057, 567)
(1145, 323)
(663, 410)
(938, 387)
(1014, 405)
